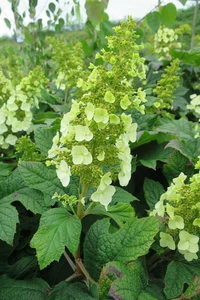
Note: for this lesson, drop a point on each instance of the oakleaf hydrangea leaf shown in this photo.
(120, 281)
(11, 184)
(37, 175)
(58, 229)
(178, 274)
(129, 242)
(8, 221)
(23, 268)
(155, 153)
(193, 288)
(32, 199)
(121, 212)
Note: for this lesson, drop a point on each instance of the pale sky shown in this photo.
(117, 9)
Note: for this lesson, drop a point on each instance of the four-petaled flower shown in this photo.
(176, 222)
(81, 155)
(188, 242)
(166, 240)
(104, 196)
(83, 133)
(101, 115)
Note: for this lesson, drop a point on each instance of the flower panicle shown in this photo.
(17, 103)
(164, 40)
(181, 207)
(93, 141)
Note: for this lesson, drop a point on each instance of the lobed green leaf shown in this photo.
(156, 153)
(120, 281)
(177, 164)
(58, 229)
(120, 213)
(8, 222)
(37, 175)
(179, 273)
(127, 243)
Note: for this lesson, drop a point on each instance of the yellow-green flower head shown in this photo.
(55, 149)
(3, 128)
(105, 181)
(170, 210)
(101, 156)
(172, 192)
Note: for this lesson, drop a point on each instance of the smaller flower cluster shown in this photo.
(180, 207)
(15, 112)
(69, 61)
(166, 87)
(6, 88)
(26, 150)
(164, 40)
(194, 105)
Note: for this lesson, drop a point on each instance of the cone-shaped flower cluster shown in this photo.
(16, 103)
(94, 136)
(194, 105)
(164, 40)
(180, 206)
(166, 87)
(69, 62)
